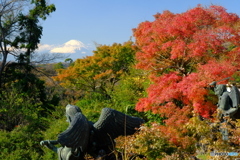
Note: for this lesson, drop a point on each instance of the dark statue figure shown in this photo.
(96, 139)
(228, 104)
(228, 99)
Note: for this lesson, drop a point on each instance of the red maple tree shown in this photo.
(184, 53)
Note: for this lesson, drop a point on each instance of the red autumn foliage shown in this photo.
(184, 53)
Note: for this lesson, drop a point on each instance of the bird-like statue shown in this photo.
(84, 137)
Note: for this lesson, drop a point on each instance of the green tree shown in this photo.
(19, 30)
(58, 66)
(68, 60)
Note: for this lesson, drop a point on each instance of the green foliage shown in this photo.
(58, 66)
(24, 111)
(24, 105)
(236, 78)
(41, 9)
(23, 141)
(151, 117)
(29, 28)
(92, 104)
(56, 126)
(20, 108)
(124, 96)
(69, 60)
(22, 120)
(128, 91)
(20, 29)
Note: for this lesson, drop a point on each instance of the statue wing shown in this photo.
(77, 134)
(235, 96)
(112, 124)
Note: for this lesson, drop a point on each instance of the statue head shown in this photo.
(71, 110)
(220, 89)
(213, 84)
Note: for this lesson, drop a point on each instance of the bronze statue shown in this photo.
(96, 139)
(228, 99)
(228, 104)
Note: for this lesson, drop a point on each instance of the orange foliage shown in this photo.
(100, 72)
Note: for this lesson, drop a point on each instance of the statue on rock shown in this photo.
(96, 139)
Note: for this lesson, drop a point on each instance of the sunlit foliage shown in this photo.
(100, 72)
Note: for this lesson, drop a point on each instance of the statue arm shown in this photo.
(50, 144)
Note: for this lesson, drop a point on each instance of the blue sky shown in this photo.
(77, 25)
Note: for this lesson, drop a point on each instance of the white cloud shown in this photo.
(69, 47)
(44, 47)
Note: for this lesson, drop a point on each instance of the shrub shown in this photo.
(149, 141)
(20, 143)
